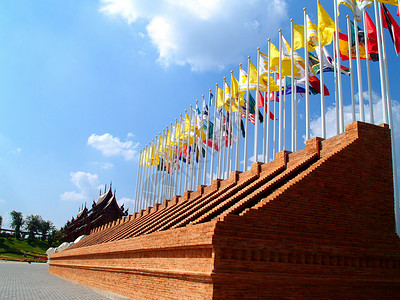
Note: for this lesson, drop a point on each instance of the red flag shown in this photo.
(398, 10)
(260, 100)
(390, 24)
(273, 97)
(315, 83)
(210, 142)
(372, 38)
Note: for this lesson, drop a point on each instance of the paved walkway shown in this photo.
(23, 281)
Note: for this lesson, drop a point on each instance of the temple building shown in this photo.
(103, 211)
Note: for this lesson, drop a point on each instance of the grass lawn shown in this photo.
(15, 248)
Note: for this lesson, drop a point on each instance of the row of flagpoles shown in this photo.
(205, 143)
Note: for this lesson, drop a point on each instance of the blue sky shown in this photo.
(84, 85)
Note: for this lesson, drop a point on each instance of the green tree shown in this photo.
(17, 220)
(32, 225)
(44, 228)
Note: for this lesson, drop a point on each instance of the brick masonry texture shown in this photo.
(314, 224)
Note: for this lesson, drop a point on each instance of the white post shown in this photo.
(321, 73)
(359, 76)
(306, 77)
(207, 137)
(238, 132)
(293, 86)
(256, 108)
(335, 70)
(280, 93)
(176, 158)
(266, 159)
(247, 115)
(371, 106)
(187, 152)
(182, 139)
(339, 74)
(213, 138)
(353, 106)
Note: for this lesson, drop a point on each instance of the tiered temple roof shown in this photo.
(103, 211)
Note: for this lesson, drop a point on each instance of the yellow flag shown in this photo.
(312, 35)
(286, 62)
(188, 125)
(392, 2)
(298, 31)
(326, 26)
(220, 97)
(235, 91)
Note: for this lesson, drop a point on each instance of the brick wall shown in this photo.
(318, 223)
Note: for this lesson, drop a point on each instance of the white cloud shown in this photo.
(128, 203)
(87, 185)
(113, 146)
(205, 34)
(2, 201)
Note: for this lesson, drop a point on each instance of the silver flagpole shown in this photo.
(264, 125)
(200, 143)
(321, 74)
(156, 175)
(371, 106)
(280, 133)
(359, 76)
(170, 165)
(192, 152)
(207, 136)
(256, 107)
(237, 160)
(353, 106)
(164, 188)
(295, 114)
(187, 152)
(293, 86)
(213, 137)
(306, 76)
(182, 139)
(389, 107)
(145, 190)
(284, 114)
(339, 74)
(266, 159)
(275, 143)
(228, 167)
(335, 70)
(176, 163)
(220, 149)
(378, 20)
(247, 116)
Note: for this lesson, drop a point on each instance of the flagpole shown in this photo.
(228, 167)
(350, 42)
(187, 154)
(306, 76)
(182, 138)
(359, 76)
(200, 144)
(293, 90)
(321, 74)
(247, 116)
(170, 168)
(284, 113)
(378, 21)
(256, 107)
(192, 150)
(275, 99)
(207, 137)
(156, 180)
(213, 137)
(176, 164)
(335, 69)
(280, 93)
(371, 106)
(266, 159)
(389, 107)
(238, 129)
(145, 190)
(295, 114)
(220, 149)
(339, 73)
(163, 187)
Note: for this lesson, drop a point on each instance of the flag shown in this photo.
(211, 99)
(252, 104)
(312, 35)
(372, 42)
(344, 48)
(315, 86)
(392, 2)
(327, 63)
(326, 26)
(298, 36)
(389, 23)
(286, 61)
(263, 63)
(261, 103)
(356, 7)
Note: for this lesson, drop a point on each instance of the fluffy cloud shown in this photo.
(127, 202)
(87, 187)
(113, 146)
(204, 34)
